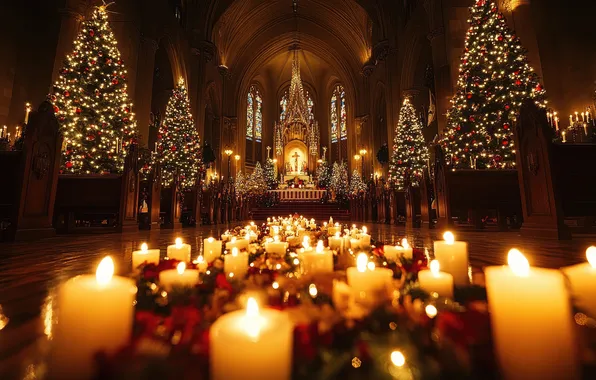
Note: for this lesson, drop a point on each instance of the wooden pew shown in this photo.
(557, 180)
(473, 195)
(97, 203)
(413, 209)
(29, 182)
(170, 206)
(427, 213)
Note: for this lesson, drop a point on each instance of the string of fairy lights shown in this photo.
(91, 102)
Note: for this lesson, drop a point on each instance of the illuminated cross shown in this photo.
(295, 157)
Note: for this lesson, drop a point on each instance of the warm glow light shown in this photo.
(404, 243)
(361, 262)
(200, 260)
(320, 246)
(364, 229)
(144, 247)
(518, 262)
(370, 265)
(431, 311)
(591, 255)
(234, 251)
(233, 239)
(210, 240)
(448, 237)
(305, 242)
(276, 238)
(312, 290)
(105, 271)
(275, 285)
(252, 320)
(181, 267)
(435, 267)
(337, 234)
(178, 243)
(398, 359)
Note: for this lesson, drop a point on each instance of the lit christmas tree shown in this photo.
(494, 79)
(256, 183)
(178, 143)
(269, 169)
(357, 185)
(339, 180)
(409, 148)
(323, 175)
(91, 103)
(240, 184)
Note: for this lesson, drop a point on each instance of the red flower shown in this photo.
(221, 282)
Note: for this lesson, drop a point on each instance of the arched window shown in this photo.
(254, 115)
(283, 106)
(339, 117)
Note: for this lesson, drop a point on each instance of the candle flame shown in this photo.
(233, 239)
(448, 237)
(404, 243)
(431, 311)
(312, 290)
(247, 237)
(200, 259)
(364, 229)
(591, 255)
(252, 320)
(178, 243)
(181, 267)
(252, 308)
(210, 240)
(398, 359)
(305, 242)
(252, 223)
(144, 247)
(336, 224)
(275, 285)
(234, 251)
(435, 267)
(370, 265)
(276, 238)
(320, 246)
(361, 262)
(518, 262)
(105, 271)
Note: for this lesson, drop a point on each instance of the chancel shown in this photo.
(297, 189)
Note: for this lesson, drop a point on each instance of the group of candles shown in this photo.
(574, 121)
(529, 307)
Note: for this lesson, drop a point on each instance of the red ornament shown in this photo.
(507, 106)
(66, 93)
(505, 126)
(93, 62)
(505, 142)
(78, 110)
(469, 96)
(115, 81)
(90, 137)
(538, 87)
(480, 3)
(91, 32)
(500, 38)
(56, 109)
(68, 164)
(399, 162)
(127, 109)
(173, 148)
(458, 127)
(109, 61)
(518, 82)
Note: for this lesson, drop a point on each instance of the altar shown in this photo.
(291, 176)
(300, 195)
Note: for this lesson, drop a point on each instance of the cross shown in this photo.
(295, 157)
(268, 150)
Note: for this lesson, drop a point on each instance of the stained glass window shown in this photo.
(254, 114)
(339, 115)
(283, 106)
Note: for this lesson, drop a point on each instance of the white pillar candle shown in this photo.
(336, 242)
(179, 251)
(355, 244)
(253, 227)
(225, 237)
(532, 321)
(453, 257)
(319, 260)
(582, 278)
(347, 243)
(276, 247)
(434, 281)
(95, 314)
(201, 264)
(236, 263)
(392, 253)
(365, 279)
(251, 344)
(241, 244)
(364, 238)
(149, 256)
(333, 229)
(211, 249)
(179, 277)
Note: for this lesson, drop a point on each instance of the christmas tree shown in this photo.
(269, 169)
(178, 145)
(240, 184)
(323, 175)
(256, 183)
(91, 103)
(494, 79)
(339, 180)
(357, 185)
(409, 149)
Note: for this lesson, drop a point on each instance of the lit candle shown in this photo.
(241, 244)
(354, 244)
(276, 247)
(201, 264)
(563, 134)
(576, 117)
(318, 261)
(179, 251)
(336, 242)
(211, 249)
(179, 277)
(149, 256)
(531, 319)
(365, 279)
(253, 227)
(583, 117)
(96, 315)
(570, 119)
(226, 236)
(453, 257)
(557, 123)
(364, 242)
(586, 128)
(333, 228)
(27, 111)
(582, 278)
(236, 263)
(251, 344)
(433, 281)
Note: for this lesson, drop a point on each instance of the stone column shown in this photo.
(144, 87)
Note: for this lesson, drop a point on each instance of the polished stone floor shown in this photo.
(29, 271)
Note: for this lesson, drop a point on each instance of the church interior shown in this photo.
(297, 189)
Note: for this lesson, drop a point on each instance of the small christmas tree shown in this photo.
(323, 175)
(256, 183)
(339, 180)
(357, 185)
(494, 79)
(240, 184)
(91, 103)
(269, 170)
(409, 149)
(178, 145)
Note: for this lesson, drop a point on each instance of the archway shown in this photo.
(295, 158)
(381, 133)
